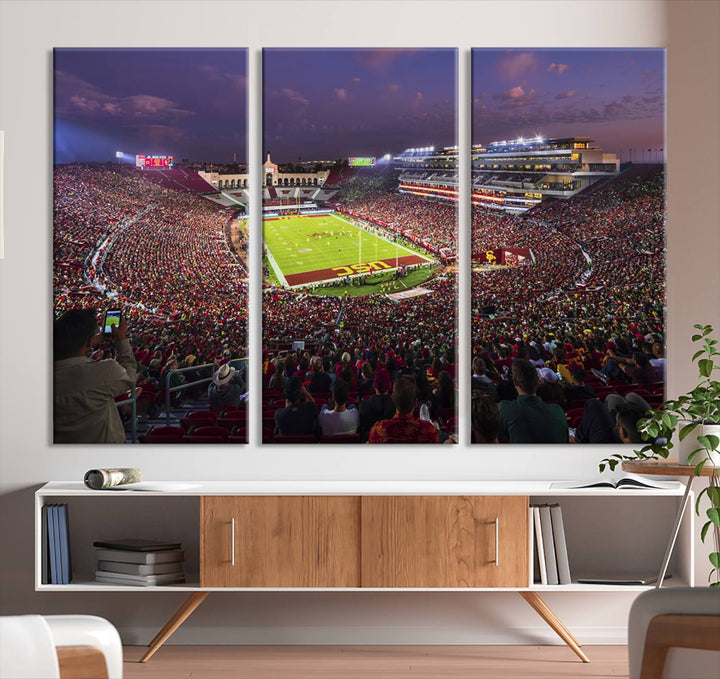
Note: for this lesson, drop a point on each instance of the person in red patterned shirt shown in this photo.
(403, 427)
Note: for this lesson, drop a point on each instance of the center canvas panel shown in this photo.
(360, 245)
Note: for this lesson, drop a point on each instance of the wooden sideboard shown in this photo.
(355, 536)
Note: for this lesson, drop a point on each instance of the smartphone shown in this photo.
(112, 318)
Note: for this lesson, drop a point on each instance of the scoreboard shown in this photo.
(153, 161)
(361, 162)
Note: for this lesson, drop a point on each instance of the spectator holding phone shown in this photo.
(85, 390)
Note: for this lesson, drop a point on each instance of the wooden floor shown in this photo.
(375, 662)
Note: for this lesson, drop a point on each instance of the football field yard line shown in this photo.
(393, 243)
(275, 267)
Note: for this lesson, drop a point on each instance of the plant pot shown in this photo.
(691, 443)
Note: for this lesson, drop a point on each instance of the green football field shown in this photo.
(303, 250)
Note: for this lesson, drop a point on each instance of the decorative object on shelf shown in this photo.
(101, 479)
(699, 408)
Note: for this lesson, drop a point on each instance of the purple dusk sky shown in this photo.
(614, 96)
(323, 104)
(188, 103)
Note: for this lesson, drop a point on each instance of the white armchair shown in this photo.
(59, 647)
(674, 633)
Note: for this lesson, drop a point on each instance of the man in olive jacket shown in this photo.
(85, 390)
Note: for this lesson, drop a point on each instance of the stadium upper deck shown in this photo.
(513, 175)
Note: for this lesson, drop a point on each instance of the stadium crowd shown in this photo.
(161, 255)
(590, 300)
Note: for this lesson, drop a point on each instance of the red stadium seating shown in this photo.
(210, 434)
(198, 418)
(163, 435)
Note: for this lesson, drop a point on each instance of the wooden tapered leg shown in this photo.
(547, 614)
(181, 615)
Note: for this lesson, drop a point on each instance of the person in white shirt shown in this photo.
(339, 419)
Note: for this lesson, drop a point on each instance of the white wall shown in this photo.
(29, 31)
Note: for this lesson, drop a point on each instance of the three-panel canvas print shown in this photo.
(359, 249)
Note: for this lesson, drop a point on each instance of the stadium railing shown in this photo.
(187, 385)
(235, 363)
(132, 401)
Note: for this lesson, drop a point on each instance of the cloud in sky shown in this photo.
(514, 65)
(557, 68)
(399, 99)
(601, 93)
(295, 96)
(182, 102)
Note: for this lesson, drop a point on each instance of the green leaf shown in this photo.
(713, 442)
(699, 467)
(713, 493)
(694, 454)
(709, 441)
(705, 366)
(714, 516)
(670, 421)
(697, 354)
(715, 559)
(695, 338)
(661, 451)
(704, 530)
(687, 429)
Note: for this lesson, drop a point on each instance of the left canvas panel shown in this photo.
(150, 239)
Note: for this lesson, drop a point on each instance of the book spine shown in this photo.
(549, 546)
(54, 545)
(563, 562)
(64, 545)
(540, 546)
(45, 559)
(147, 558)
(140, 569)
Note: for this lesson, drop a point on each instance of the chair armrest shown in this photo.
(677, 631)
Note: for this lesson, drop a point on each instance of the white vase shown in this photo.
(690, 443)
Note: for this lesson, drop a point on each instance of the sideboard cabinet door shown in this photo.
(445, 541)
(289, 541)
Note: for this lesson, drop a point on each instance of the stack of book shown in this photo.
(143, 563)
(552, 565)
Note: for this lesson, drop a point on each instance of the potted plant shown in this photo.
(698, 413)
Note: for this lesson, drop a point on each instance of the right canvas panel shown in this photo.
(568, 243)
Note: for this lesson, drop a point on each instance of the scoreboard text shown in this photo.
(153, 161)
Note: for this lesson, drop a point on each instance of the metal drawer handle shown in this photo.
(497, 542)
(232, 542)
